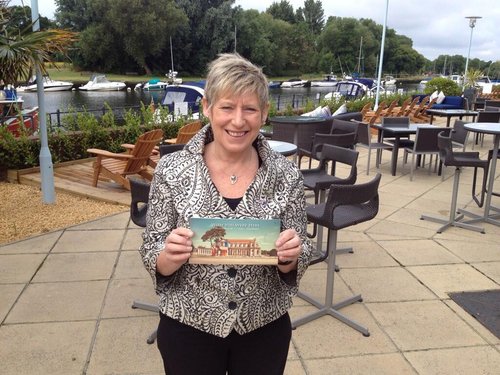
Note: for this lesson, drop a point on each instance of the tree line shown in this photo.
(134, 36)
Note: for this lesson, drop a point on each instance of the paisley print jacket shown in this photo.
(219, 298)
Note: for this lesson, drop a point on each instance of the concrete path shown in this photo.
(65, 296)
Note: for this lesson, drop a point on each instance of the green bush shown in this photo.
(80, 132)
(447, 86)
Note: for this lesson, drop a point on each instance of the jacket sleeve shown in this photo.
(161, 220)
(294, 216)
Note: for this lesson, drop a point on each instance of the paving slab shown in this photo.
(374, 364)
(8, 296)
(56, 348)
(19, 268)
(454, 361)
(128, 355)
(419, 325)
(89, 240)
(32, 245)
(49, 302)
(419, 252)
(77, 266)
(447, 278)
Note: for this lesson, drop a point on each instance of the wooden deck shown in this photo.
(76, 178)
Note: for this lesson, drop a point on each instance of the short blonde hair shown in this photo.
(233, 74)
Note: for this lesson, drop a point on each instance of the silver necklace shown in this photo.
(233, 179)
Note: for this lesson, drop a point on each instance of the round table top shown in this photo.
(483, 127)
(296, 119)
(284, 148)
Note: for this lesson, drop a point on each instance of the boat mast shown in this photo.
(359, 56)
(171, 55)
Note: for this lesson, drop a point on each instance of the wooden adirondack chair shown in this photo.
(118, 166)
(400, 111)
(185, 133)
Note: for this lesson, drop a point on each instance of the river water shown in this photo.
(94, 100)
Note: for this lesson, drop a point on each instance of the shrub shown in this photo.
(447, 86)
(81, 131)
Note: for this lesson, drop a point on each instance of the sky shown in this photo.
(437, 27)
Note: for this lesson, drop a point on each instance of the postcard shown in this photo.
(234, 241)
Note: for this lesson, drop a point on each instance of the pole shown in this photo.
(381, 61)
(472, 23)
(46, 167)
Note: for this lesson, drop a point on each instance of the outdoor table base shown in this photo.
(487, 217)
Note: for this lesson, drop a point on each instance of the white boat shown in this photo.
(457, 78)
(294, 82)
(182, 100)
(389, 81)
(154, 84)
(329, 80)
(48, 85)
(101, 83)
(485, 83)
(348, 90)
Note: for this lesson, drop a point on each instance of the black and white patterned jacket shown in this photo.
(219, 298)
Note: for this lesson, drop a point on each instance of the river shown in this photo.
(94, 100)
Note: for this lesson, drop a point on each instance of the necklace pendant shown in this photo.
(233, 179)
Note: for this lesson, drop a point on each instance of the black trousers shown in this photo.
(188, 351)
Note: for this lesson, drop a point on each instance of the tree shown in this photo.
(313, 15)
(214, 234)
(22, 51)
(75, 15)
(282, 11)
(20, 19)
(152, 22)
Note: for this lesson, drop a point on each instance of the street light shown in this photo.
(472, 23)
(381, 61)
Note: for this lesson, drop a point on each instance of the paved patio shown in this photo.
(65, 296)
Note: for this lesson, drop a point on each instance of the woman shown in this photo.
(218, 319)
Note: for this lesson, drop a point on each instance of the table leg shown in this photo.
(432, 118)
(491, 180)
(394, 161)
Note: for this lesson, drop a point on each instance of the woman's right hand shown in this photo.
(176, 252)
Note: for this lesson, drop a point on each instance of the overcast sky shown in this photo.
(437, 27)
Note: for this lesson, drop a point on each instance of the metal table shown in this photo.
(284, 148)
(494, 129)
(449, 113)
(397, 133)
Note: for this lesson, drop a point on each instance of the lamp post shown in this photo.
(381, 61)
(472, 23)
(46, 168)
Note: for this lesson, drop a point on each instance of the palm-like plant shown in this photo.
(22, 51)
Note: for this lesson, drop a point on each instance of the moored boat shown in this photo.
(26, 121)
(295, 82)
(99, 82)
(348, 90)
(184, 99)
(48, 85)
(329, 80)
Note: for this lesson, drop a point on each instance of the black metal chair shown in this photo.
(346, 140)
(364, 139)
(425, 144)
(487, 116)
(396, 122)
(139, 191)
(319, 181)
(458, 160)
(346, 205)
(459, 134)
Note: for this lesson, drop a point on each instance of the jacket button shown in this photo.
(232, 305)
(231, 272)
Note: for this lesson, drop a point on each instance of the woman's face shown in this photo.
(235, 120)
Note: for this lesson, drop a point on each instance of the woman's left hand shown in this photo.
(289, 247)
